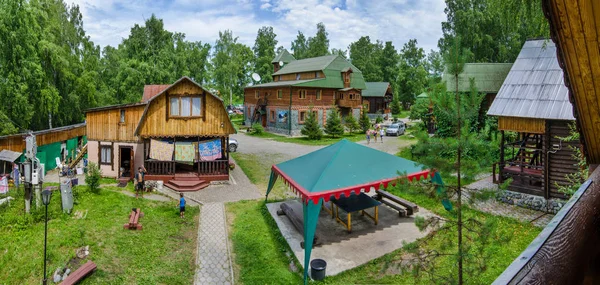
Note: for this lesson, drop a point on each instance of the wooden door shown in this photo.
(264, 120)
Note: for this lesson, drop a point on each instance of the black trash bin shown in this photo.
(317, 269)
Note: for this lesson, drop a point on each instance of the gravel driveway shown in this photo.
(261, 146)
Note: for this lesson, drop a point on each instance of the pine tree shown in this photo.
(365, 122)
(351, 123)
(396, 107)
(334, 123)
(311, 127)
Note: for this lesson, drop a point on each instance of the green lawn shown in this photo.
(326, 140)
(258, 170)
(161, 253)
(260, 250)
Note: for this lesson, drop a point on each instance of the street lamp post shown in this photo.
(46, 194)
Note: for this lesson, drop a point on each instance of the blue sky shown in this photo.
(108, 21)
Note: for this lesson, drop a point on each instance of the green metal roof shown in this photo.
(307, 64)
(284, 83)
(284, 56)
(330, 65)
(375, 89)
(488, 77)
(423, 95)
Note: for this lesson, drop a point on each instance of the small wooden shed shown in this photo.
(533, 102)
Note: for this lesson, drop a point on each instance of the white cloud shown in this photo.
(108, 21)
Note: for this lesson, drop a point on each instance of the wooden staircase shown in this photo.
(259, 110)
(79, 157)
(187, 183)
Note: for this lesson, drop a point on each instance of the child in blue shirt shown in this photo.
(181, 205)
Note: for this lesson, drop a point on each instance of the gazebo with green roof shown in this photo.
(343, 168)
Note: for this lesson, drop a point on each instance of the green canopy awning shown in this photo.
(342, 168)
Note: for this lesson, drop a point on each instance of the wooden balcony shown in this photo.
(347, 103)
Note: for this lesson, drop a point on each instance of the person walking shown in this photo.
(368, 134)
(375, 135)
(381, 133)
(139, 179)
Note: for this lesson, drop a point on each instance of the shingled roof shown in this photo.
(375, 89)
(534, 87)
(284, 56)
(152, 90)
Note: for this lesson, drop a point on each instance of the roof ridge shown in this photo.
(329, 162)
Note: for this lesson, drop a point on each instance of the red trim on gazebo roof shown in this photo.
(346, 191)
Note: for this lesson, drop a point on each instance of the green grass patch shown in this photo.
(260, 249)
(326, 140)
(161, 253)
(258, 170)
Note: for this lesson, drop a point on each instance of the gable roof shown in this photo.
(152, 90)
(284, 56)
(137, 129)
(306, 65)
(488, 77)
(534, 87)
(375, 89)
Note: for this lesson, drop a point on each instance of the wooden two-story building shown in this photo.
(319, 83)
(179, 132)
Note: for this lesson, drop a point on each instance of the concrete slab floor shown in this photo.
(342, 250)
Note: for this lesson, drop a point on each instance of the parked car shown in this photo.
(233, 145)
(395, 129)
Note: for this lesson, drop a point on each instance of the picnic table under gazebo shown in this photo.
(340, 172)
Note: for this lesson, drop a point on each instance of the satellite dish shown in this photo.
(281, 64)
(255, 76)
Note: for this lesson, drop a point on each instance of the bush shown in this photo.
(379, 119)
(92, 178)
(257, 129)
(311, 127)
(351, 123)
(334, 123)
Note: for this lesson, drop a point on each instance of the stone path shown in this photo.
(213, 262)
(494, 207)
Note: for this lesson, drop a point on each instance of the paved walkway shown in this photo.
(213, 262)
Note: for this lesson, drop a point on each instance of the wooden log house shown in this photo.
(533, 102)
(319, 83)
(168, 119)
(377, 97)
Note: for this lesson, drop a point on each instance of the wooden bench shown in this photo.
(297, 222)
(396, 202)
(134, 218)
(80, 273)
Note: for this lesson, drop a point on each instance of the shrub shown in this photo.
(379, 119)
(311, 127)
(351, 123)
(257, 129)
(92, 178)
(334, 123)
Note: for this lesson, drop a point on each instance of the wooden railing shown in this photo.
(215, 167)
(348, 103)
(157, 167)
(567, 250)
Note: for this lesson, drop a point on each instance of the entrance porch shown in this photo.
(187, 164)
